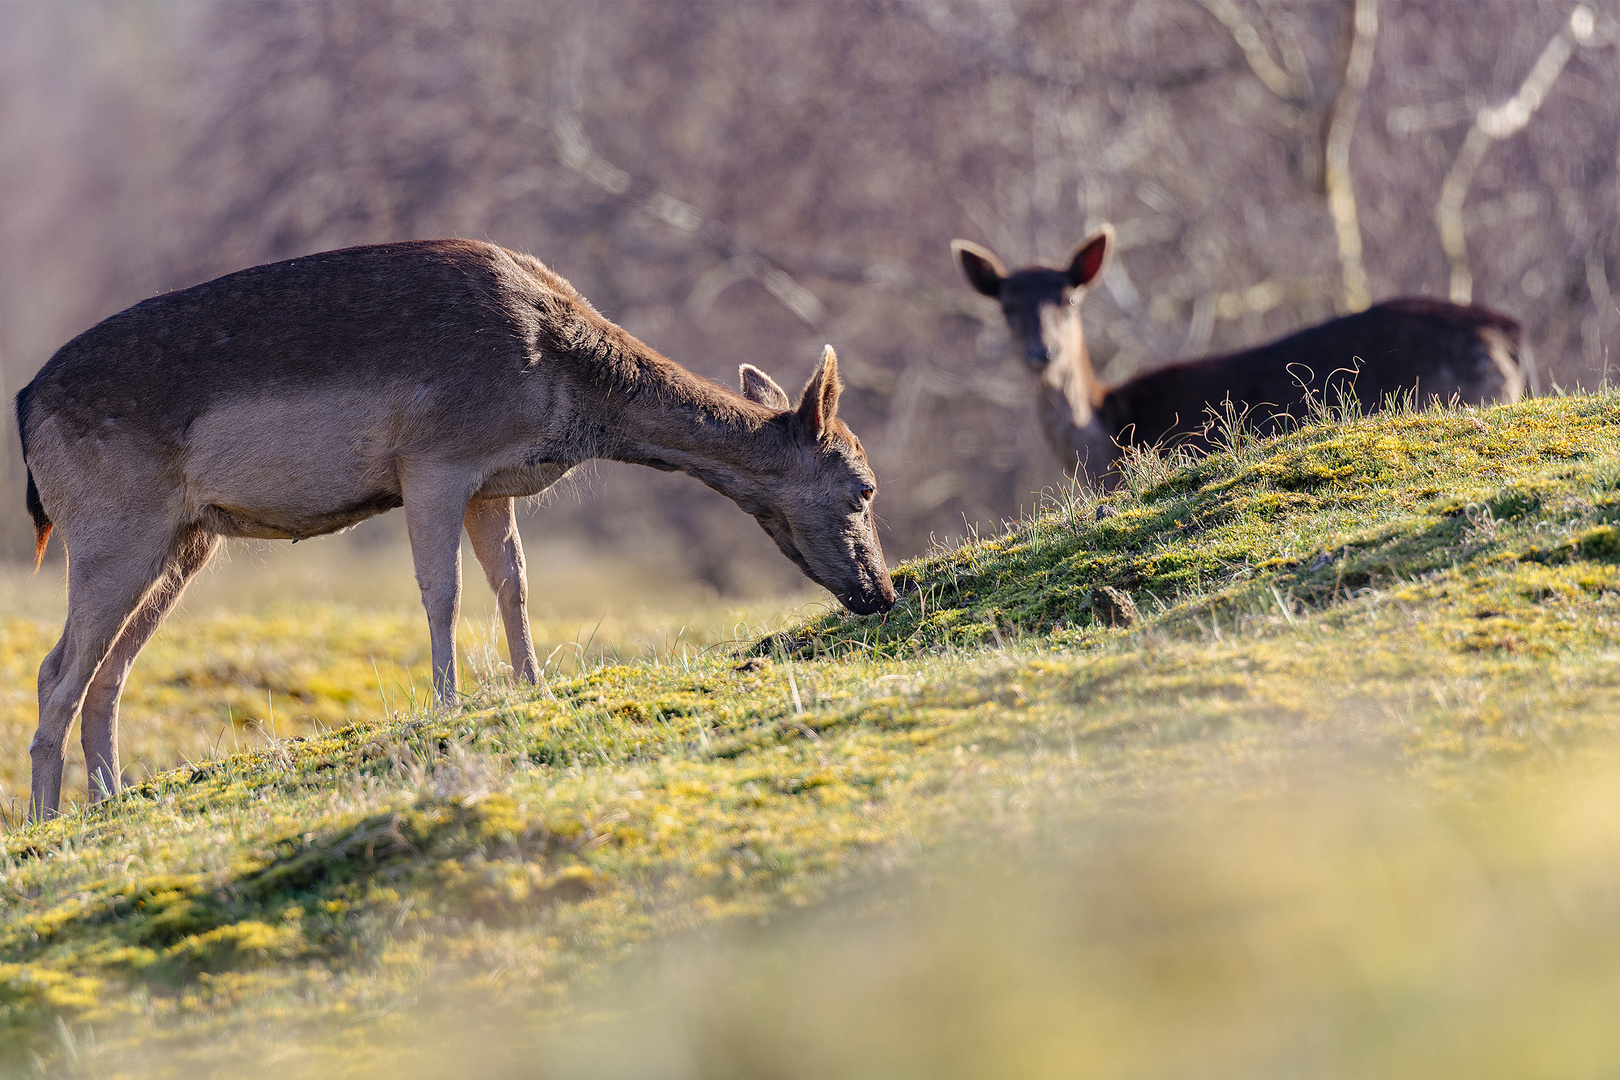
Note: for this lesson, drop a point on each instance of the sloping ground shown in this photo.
(1424, 598)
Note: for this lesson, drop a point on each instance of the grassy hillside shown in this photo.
(1123, 714)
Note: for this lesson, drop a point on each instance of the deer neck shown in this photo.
(1068, 385)
(1069, 397)
(651, 411)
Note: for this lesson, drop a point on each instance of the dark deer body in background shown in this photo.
(1429, 348)
(448, 377)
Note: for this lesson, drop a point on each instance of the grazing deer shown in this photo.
(445, 376)
(1430, 348)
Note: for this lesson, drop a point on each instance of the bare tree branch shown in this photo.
(1340, 190)
(1285, 84)
(1493, 124)
(574, 152)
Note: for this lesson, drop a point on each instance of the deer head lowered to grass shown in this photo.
(445, 376)
(1428, 348)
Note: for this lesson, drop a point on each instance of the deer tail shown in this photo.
(36, 509)
(42, 521)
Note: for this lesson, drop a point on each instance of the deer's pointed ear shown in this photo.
(1090, 257)
(983, 270)
(761, 389)
(819, 403)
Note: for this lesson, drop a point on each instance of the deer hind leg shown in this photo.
(106, 584)
(98, 717)
(492, 527)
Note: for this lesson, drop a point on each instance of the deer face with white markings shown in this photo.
(1041, 304)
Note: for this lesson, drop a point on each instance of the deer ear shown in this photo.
(984, 271)
(1090, 256)
(761, 389)
(819, 403)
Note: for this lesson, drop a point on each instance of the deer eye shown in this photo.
(867, 491)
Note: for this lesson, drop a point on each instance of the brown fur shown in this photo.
(1428, 348)
(448, 377)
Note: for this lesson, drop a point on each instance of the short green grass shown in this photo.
(1423, 603)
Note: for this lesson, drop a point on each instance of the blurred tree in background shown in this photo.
(745, 182)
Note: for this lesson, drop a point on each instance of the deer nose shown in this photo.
(872, 597)
(870, 605)
(1037, 355)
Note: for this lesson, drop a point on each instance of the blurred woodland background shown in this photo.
(745, 182)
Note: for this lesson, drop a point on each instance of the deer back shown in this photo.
(1425, 348)
(445, 323)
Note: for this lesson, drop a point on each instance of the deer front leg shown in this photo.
(492, 527)
(434, 509)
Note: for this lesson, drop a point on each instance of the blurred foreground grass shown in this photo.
(1348, 928)
(1296, 760)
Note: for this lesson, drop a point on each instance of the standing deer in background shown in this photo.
(445, 376)
(1431, 348)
